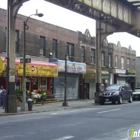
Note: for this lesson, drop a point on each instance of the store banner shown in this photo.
(40, 71)
(39, 68)
(72, 67)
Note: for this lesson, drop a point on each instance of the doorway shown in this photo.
(87, 90)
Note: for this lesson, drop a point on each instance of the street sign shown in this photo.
(27, 60)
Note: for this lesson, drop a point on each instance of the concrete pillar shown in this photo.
(98, 60)
(11, 106)
(12, 9)
(102, 31)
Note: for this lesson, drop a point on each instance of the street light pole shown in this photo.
(24, 105)
(65, 94)
(25, 27)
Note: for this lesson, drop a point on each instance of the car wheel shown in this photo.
(120, 101)
(102, 102)
(130, 99)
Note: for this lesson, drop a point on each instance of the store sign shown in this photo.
(42, 71)
(72, 67)
(105, 76)
(121, 71)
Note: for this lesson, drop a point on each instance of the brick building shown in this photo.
(44, 38)
(138, 71)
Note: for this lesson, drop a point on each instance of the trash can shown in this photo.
(30, 104)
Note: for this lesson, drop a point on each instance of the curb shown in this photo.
(48, 110)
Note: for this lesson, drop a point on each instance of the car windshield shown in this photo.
(112, 87)
(137, 89)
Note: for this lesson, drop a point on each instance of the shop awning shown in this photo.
(35, 68)
(90, 74)
(121, 75)
(105, 72)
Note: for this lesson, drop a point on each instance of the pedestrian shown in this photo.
(0, 97)
(3, 96)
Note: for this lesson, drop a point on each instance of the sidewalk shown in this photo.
(52, 107)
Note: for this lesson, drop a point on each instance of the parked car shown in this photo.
(136, 94)
(116, 92)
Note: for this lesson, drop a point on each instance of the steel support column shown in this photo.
(12, 9)
(102, 31)
(98, 60)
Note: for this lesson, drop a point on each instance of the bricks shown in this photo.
(63, 36)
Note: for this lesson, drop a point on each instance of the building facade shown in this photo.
(45, 42)
(137, 71)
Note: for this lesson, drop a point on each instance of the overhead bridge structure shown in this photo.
(110, 15)
(122, 15)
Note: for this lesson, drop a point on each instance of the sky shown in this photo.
(59, 16)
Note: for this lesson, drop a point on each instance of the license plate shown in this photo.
(106, 100)
(136, 96)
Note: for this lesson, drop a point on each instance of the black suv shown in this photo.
(116, 92)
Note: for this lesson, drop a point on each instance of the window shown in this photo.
(70, 49)
(116, 61)
(17, 41)
(82, 54)
(103, 59)
(42, 45)
(5, 43)
(122, 62)
(133, 64)
(54, 49)
(92, 54)
(110, 60)
(128, 64)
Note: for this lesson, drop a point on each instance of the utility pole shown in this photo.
(65, 84)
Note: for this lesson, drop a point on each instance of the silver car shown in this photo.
(136, 94)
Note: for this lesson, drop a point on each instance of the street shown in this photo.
(107, 122)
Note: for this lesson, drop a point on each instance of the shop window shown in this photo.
(28, 83)
(35, 83)
(43, 84)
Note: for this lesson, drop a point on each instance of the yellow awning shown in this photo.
(90, 74)
(35, 68)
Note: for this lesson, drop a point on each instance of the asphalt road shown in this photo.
(107, 122)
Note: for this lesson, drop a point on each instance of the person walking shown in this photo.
(3, 96)
(0, 97)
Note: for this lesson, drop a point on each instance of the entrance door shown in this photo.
(87, 90)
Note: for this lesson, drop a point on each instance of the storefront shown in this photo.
(74, 69)
(125, 76)
(38, 74)
(105, 78)
(119, 76)
(89, 85)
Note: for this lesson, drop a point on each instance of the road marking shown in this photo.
(126, 139)
(64, 138)
(53, 113)
(109, 110)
